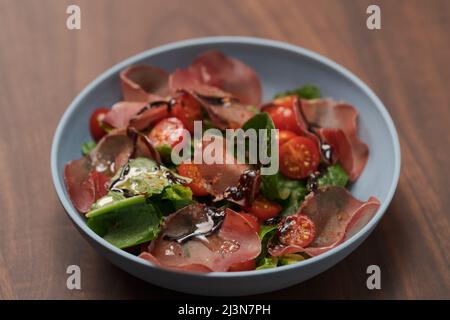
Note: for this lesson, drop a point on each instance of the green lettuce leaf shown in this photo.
(173, 198)
(296, 196)
(290, 259)
(261, 120)
(334, 176)
(278, 187)
(266, 233)
(87, 147)
(267, 263)
(308, 91)
(126, 222)
(146, 177)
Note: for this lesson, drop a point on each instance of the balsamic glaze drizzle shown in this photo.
(134, 134)
(123, 173)
(225, 102)
(155, 104)
(325, 149)
(244, 189)
(215, 217)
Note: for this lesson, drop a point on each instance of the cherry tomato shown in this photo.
(243, 266)
(264, 209)
(168, 131)
(299, 157)
(284, 136)
(95, 123)
(297, 230)
(282, 113)
(252, 220)
(188, 110)
(197, 185)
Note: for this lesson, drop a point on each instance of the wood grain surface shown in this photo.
(44, 65)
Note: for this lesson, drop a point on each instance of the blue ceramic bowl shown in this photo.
(280, 66)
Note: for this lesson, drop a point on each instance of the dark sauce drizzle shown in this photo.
(155, 104)
(215, 218)
(123, 173)
(326, 153)
(134, 134)
(272, 221)
(218, 101)
(244, 189)
(173, 178)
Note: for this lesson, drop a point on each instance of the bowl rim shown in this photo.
(81, 224)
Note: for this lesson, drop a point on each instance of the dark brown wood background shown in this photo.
(43, 66)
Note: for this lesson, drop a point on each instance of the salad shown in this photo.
(202, 216)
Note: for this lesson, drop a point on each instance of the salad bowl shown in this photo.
(279, 66)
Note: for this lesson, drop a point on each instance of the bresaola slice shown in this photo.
(225, 172)
(136, 114)
(84, 184)
(111, 152)
(225, 85)
(226, 112)
(144, 83)
(215, 69)
(337, 215)
(342, 117)
(86, 178)
(122, 112)
(234, 241)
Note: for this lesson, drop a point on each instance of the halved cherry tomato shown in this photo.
(95, 123)
(299, 157)
(284, 136)
(298, 230)
(188, 110)
(243, 266)
(197, 185)
(264, 209)
(282, 113)
(168, 131)
(252, 220)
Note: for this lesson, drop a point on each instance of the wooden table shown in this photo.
(44, 65)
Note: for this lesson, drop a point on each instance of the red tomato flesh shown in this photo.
(95, 123)
(188, 110)
(168, 131)
(264, 209)
(198, 186)
(243, 266)
(282, 113)
(299, 157)
(297, 230)
(284, 136)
